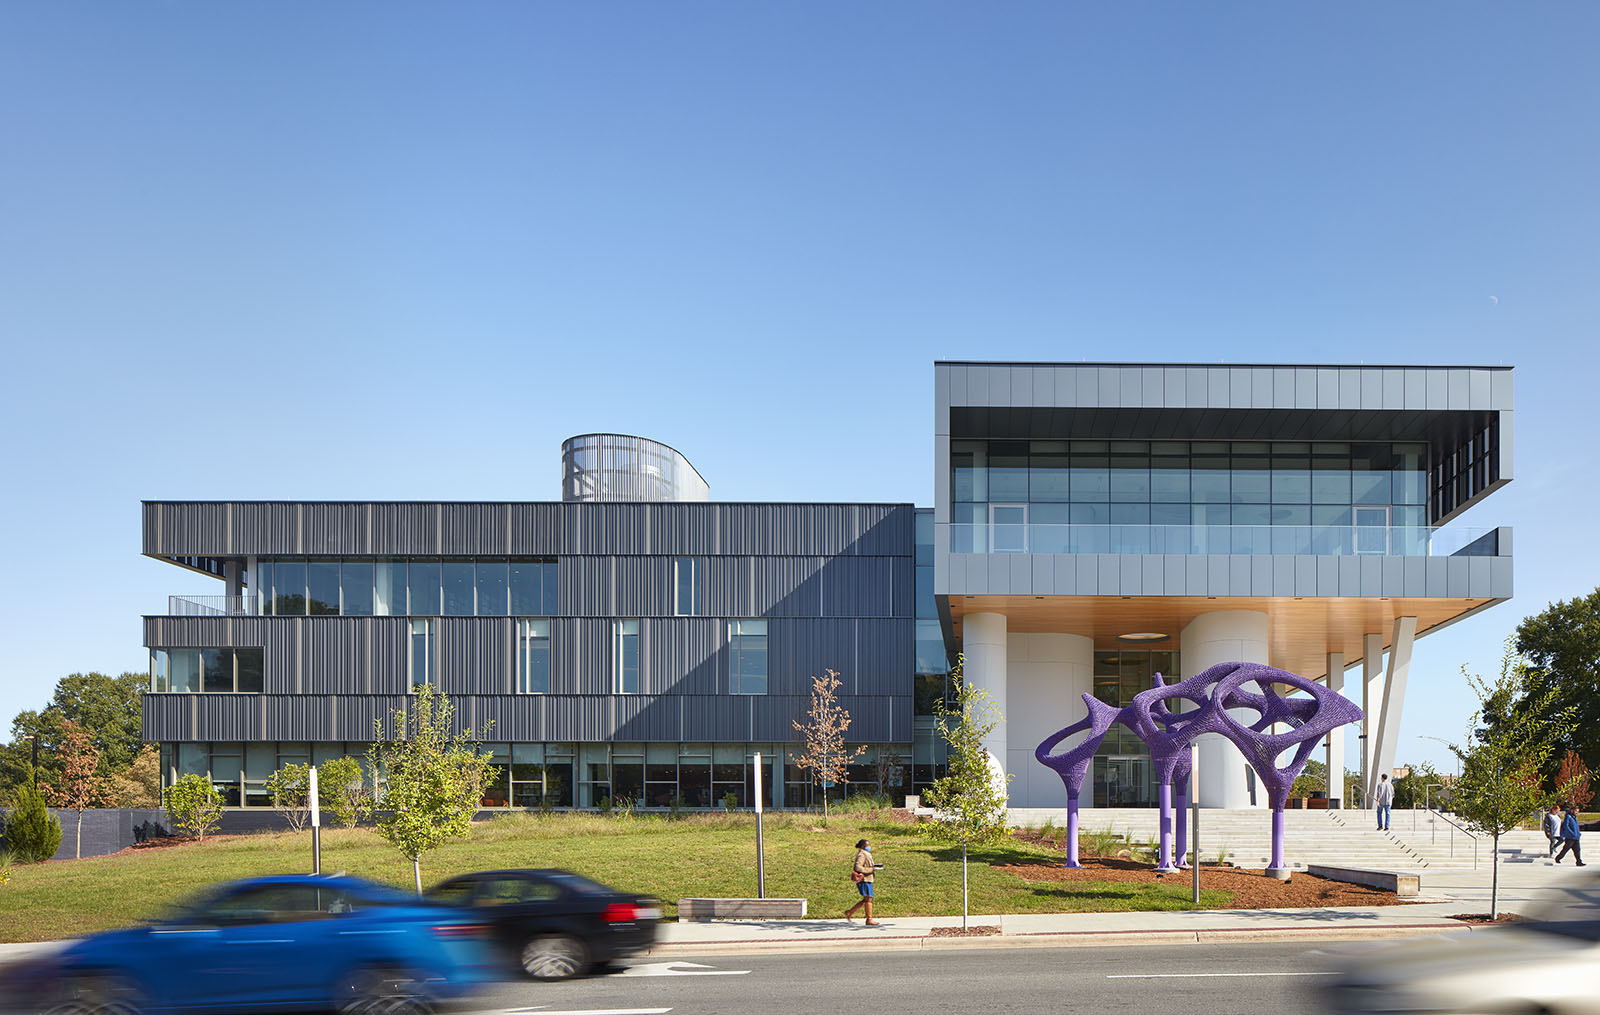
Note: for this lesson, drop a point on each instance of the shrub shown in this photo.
(193, 806)
(675, 808)
(290, 787)
(730, 801)
(32, 833)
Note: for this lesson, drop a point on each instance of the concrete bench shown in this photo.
(1403, 885)
(741, 909)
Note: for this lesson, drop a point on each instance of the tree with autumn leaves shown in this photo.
(79, 786)
(826, 758)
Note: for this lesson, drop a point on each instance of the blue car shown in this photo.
(294, 942)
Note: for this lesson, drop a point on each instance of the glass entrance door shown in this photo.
(1123, 781)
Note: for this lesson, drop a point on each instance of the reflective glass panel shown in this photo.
(218, 667)
(185, 668)
(289, 588)
(250, 670)
(1008, 471)
(322, 587)
(423, 582)
(1048, 466)
(534, 677)
(261, 584)
(389, 588)
(527, 596)
(355, 582)
(459, 583)
(491, 588)
(627, 681)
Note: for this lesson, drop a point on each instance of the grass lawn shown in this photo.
(704, 855)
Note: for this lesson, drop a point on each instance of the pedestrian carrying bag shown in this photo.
(856, 875)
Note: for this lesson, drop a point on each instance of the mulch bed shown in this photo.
(1484, 918)
(986, 930)
(1251, 889)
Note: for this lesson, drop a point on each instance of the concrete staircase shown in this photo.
(1347, 838)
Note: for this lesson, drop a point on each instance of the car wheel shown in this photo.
(554, 957)
(96, 994)
(382, 991)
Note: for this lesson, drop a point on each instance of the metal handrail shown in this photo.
(213, 606)
(1454, 828)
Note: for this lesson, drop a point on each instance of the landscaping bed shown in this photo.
(1247, 889)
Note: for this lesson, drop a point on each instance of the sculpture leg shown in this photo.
(1279, 869)
(1164, 854)
(1072, 832)
(1181, 806)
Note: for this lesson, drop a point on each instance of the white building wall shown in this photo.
(983, 640)
(1046, 678)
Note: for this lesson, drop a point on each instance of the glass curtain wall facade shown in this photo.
(1122, 775)
(414, 586)
(1266, 497)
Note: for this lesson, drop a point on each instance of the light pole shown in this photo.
(1442, 740)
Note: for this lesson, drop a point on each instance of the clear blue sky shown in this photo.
(400, 251)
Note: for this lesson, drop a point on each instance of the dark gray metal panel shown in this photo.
(405, 528)
(474, 654)
(869, 718)
(259, 528)
(886, 650)
(334, 656)
(637, 717)
(721, 717)
(358, 714)
(579, 717)
(165, 717)
(334, 528)
(474, 528)
(814, 646)
(293, 717)
(772, 718)
(688, 655)
(536, 529)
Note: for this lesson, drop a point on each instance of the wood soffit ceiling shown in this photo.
(1301, 632)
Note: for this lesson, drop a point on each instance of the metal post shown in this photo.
(761, 863)
(316, 823)
(1194, 821)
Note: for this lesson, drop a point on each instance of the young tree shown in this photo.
(342, 785)
(1505, 749)
(1561, 645)
(970, 801)
(434, 778)
(290, 787)
(32, 833)
(826, 757)
(1572, 781)
(193, 806)
(79, 786)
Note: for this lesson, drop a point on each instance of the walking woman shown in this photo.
(861, 873)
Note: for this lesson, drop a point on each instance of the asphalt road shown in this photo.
(1223, 979)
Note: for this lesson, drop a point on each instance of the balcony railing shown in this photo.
(213, 606)
(1339, 540)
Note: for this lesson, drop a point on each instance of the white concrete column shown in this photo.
(1334, 756)
(983, 642)
(1224, 636)
(1394, 692)
(1047, 676)
(1371, 674)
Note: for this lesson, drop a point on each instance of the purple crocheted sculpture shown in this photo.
(1171, 736)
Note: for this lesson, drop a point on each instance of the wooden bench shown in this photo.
(741, 909)
(1403, 885)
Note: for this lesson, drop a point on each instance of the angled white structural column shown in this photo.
(983, 638)
(1371, 673)
(1394, 696)
(1334, 758)
(1224, 636)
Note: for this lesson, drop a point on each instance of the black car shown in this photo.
(554, 924)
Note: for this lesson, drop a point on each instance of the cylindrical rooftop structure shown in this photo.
(617, 467)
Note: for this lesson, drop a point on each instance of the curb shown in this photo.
(1057, 939)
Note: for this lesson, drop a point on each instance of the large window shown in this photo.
(747, 656)
(422, 655)
(625, 678)
(533, 657)
(417, 587)
(206, 670)
(1110, 496)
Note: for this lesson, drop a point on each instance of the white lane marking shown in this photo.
(1188, 976)
(542, 1010)
(678, 968)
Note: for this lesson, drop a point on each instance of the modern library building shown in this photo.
(1092, 525)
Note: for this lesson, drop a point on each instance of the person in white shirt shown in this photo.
(1552, 827)
(1385, 800)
